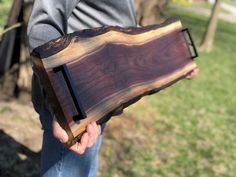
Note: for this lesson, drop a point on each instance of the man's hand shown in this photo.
(87, 140)
(193, 74)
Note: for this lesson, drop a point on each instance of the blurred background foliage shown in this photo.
(5, 6)
(187, 130)
(181, 2)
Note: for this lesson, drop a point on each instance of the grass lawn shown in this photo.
(231, 2)
(5, 5)
(187, 130)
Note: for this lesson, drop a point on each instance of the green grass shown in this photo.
(233, 3)
(5, 6)
(192, 130)
(201, 5)
(5, 109)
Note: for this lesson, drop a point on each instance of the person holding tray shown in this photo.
(49, 20)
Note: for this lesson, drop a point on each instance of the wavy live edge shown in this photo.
(109, 69)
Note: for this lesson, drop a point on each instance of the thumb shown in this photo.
(58, 132)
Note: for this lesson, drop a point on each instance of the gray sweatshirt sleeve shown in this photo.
(48, 20)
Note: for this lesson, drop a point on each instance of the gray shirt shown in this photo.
(51, 19)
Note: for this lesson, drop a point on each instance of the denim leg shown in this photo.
(58, 161)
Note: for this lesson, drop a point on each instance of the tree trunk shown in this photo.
(10, 51)
(149, 11)
(25, 71)
(16, 73)
(208, 38)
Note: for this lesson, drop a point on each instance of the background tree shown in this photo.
(150, 11)
(15, 68)
(208, 38)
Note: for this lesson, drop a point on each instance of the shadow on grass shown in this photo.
(16, 160)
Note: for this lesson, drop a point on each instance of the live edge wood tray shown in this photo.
(93, 74)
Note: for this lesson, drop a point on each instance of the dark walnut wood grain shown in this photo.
(111, 68)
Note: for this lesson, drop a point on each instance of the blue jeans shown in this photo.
(56, 159)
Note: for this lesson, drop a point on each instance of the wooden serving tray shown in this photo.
(93, 74)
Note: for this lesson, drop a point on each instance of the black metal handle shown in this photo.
(192, 43)
(73, 92)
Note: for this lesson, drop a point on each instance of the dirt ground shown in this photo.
(21, 138)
